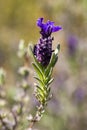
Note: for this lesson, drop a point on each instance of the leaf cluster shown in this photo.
(44, 77)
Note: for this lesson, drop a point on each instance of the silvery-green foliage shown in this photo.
(44, 77)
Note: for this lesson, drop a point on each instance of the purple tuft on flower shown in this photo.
(47, 28)
(43, 49)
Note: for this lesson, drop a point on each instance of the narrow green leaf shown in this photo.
(47, 70)
(55, 56)
(40, 81)
(38, 71)
(53, 60)
(50, 73)
(48, 89)
(37, 63)
(51, 80)
(57, 49)
(41, 89)
(39, 98)
(49, 76)
(41, 95)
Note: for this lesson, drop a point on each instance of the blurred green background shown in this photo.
(68, 108)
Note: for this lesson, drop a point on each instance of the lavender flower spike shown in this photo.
(44, 62)
(43, 49)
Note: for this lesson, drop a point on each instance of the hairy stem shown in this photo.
(37, 116)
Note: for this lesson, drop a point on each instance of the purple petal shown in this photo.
(56, 28)
(50, 23)
(39, 22)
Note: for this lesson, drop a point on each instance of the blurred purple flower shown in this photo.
(79, 95)
(72, 45)
(43, 49)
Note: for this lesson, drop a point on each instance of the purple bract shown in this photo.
(47, 28)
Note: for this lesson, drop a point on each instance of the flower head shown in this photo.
(47, 28)
(43, 50)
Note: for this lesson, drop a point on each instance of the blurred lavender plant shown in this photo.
(44, 61)
(14, 102)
